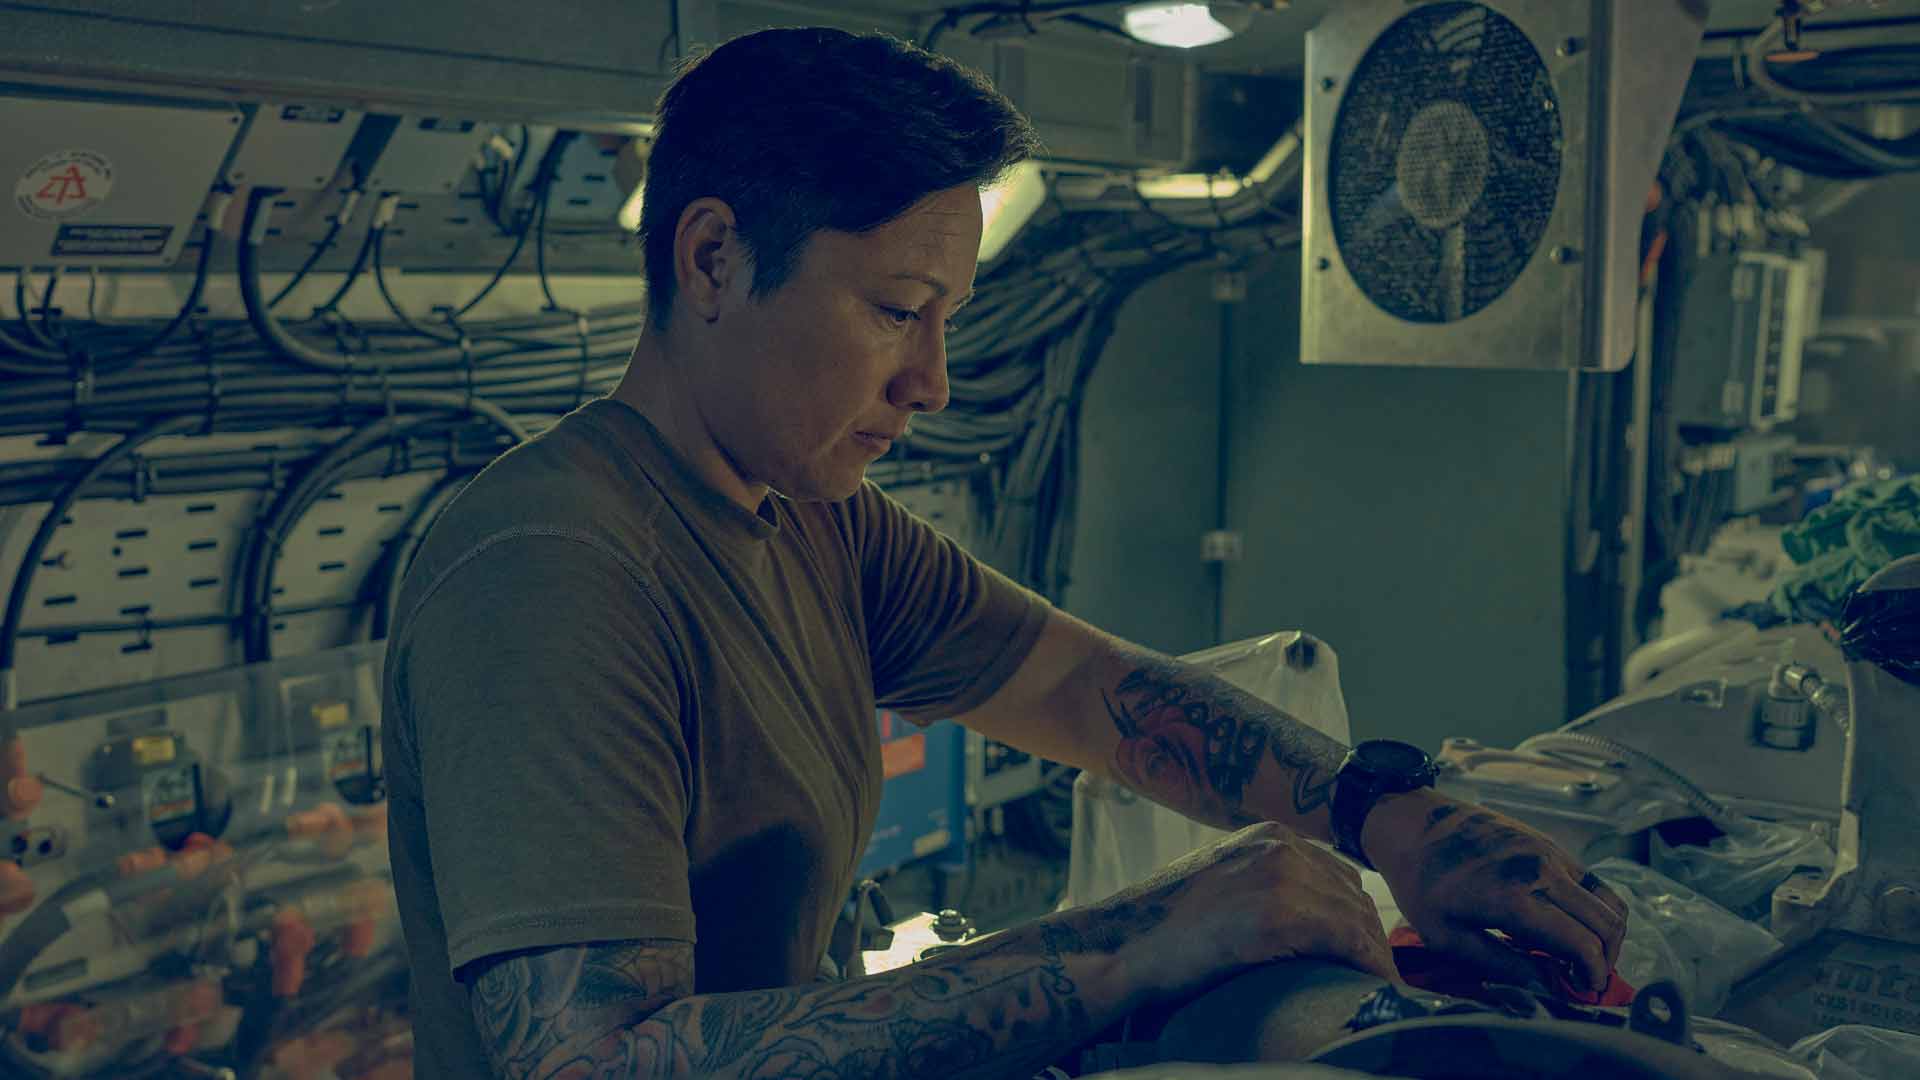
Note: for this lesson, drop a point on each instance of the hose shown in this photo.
(1697, 799)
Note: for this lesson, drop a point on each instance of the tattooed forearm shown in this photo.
(1194, 742)
(1005, 1007)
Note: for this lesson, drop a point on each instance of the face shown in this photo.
(810, 385)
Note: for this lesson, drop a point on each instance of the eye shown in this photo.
(898, 316)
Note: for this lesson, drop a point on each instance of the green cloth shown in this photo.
(1843, 543)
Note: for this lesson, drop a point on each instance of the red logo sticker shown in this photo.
(62, 185)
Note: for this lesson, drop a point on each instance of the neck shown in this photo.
(656, 386)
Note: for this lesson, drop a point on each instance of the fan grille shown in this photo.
(1444, 163)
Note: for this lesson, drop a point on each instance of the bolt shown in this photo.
(1565, 255)
(1899, 910)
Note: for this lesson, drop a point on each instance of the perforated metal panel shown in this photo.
(172, 557)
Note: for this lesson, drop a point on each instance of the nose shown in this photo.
(921, 386)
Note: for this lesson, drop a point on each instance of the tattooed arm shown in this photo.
(1004, 1007)
(1190, 741)
(1179, 735)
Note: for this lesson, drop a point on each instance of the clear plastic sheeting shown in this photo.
(1675, 933)
(1854, 1052)
(1740, 870)
(1740, 1048)
(1120, 838)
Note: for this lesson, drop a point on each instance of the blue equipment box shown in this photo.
(923, 807)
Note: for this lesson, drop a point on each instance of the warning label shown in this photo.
(112, 239)
(64, 184)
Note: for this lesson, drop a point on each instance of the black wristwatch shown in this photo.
(1371, 770)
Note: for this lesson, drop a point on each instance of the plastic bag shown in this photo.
(1120, 838)
(1675, 933)
(1740, 870)
(1855, 1052)
(1749, 1051)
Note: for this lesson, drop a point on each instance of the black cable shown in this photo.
(319, 250)
(519, 242)
(353, 276)
(23, 304)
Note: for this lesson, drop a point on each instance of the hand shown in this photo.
(1459, 870)
(1260, 895)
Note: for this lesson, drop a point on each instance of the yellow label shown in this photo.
(153, 749)
(937, 840)
(333, 714)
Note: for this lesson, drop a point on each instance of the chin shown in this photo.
(818, 488)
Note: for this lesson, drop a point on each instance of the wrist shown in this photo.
(1397, 825)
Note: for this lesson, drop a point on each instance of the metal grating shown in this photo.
(1445, 162)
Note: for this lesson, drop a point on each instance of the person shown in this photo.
(629, 731)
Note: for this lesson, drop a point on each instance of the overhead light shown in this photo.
(1186, 25)
(1190, 186)
(1005, 207)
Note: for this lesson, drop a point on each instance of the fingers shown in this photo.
(1592, 883)
(1489, 954)
(1545, 927)
(1584, 903)
(1350, 921)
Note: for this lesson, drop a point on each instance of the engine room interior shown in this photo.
(1509, 408)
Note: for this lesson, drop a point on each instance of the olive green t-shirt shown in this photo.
(619, 705)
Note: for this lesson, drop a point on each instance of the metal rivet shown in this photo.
(1323, 263)
(1570, 46)
(1564, 255)
(1327, 84)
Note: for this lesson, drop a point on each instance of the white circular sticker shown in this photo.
(64, 184)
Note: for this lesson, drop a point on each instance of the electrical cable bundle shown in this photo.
(1787, 110)
(408, 397)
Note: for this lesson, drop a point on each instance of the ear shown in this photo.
(708, 259)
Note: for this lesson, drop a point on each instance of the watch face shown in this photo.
(1390, 758)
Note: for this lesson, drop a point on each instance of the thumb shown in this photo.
(1491, 957)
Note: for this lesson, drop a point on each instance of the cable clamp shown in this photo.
(585, 329)
(386, 389)
(83, 386)
(466, 359)
(204, 339)
(345, 401)
(142, 476)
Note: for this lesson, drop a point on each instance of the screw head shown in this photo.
(1328, 84)
(1323, 263)
(1564, 255)
(1570, 46)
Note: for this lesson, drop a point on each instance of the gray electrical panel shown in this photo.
(427, 154)
(1744, 318)
(293, 146)
(97, 183)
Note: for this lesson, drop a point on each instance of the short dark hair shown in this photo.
(805, 129)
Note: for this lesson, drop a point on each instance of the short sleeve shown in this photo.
(944, 630)
(554, 772)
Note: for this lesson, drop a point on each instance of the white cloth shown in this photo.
(1120, 838)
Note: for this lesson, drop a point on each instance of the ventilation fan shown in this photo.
(1477, 175)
